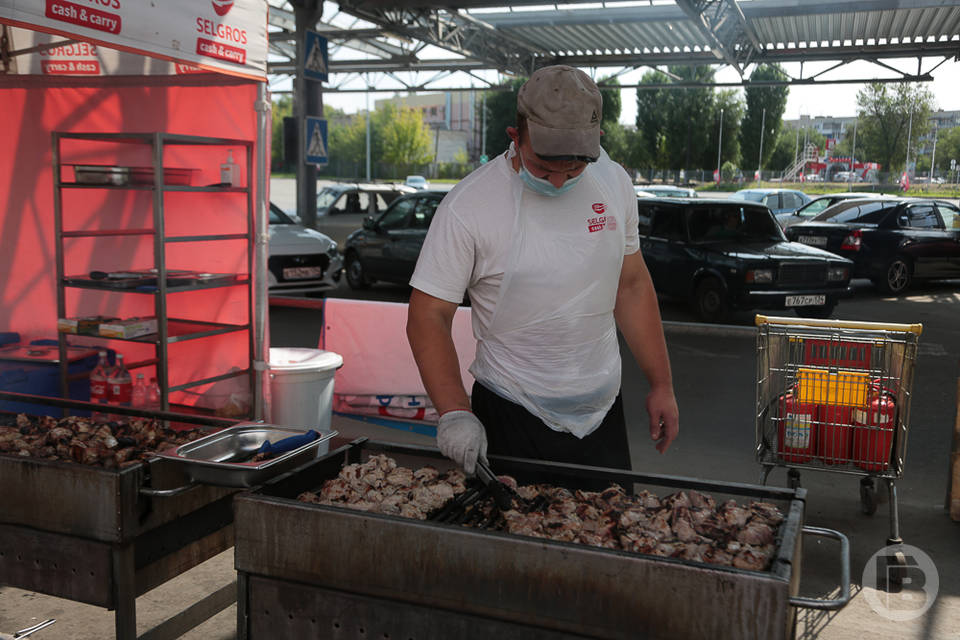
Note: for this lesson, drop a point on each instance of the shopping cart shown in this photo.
(835, 396)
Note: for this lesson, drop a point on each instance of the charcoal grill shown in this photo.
(103, 537)
(308, 570)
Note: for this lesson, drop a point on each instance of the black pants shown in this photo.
(514, 431)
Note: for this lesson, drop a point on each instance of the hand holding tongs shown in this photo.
(502, 496)
(23, 633)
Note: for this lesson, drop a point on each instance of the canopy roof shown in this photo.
(515, 39)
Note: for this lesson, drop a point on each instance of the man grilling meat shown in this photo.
(544, 240)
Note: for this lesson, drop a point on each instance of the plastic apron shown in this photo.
(551, 344)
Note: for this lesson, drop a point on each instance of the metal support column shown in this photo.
(258, 226)
(307, 101)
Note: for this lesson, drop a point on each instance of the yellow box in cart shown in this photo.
(129, 328)
(843, 388)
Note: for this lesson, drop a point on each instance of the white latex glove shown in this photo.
(462, 438)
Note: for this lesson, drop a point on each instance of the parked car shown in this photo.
(892, 241)
(818, 204)
(847, 176)
(388, 245)
(301, 260)
(417, 182)
(364, 198)
(777, 200)
(666, 191)
(732, 254)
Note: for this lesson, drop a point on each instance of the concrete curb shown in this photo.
(699, 328)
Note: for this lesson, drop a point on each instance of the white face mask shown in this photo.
(543, 186)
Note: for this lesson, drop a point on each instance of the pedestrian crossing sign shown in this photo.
(316, 62)
(315, 150)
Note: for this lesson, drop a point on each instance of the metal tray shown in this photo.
(101, 174)
(217, 459)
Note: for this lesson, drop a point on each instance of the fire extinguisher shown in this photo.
(834, 434)
(873, 429)
(797, 441)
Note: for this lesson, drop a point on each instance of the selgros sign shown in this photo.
(220, 35)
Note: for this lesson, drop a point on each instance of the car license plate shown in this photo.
(806, 301)
(302, 273)
(813, 241)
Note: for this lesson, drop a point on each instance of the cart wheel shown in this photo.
(868, 496)
(793, 479)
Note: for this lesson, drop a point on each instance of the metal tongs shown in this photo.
(502, 496)
(23, 633)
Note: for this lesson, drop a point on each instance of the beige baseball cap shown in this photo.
(563, 108)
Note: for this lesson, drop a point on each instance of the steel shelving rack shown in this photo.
(169, 330)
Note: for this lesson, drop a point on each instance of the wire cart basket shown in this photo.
(834, 395)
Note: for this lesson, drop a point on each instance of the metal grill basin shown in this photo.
(338, 573)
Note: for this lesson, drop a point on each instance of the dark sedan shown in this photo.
(816, 206)
(726, 254)
(892, 242)
(388, 245)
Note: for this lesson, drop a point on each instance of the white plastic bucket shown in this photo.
(301, 387)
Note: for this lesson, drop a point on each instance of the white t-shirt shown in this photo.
(552, 250)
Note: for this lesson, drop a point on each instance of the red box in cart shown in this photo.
(797, 433)
(834, 434)
(873, 430)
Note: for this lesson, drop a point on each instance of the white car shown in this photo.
(301, 260)
(417, 182)
(665, 191)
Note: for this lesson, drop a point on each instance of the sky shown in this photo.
(837, 100)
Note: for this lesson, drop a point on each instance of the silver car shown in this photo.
(818, 204)
(301, 260)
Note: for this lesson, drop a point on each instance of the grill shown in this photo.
(801, 273)
(307, 570)
(99, 537)
(277, 264)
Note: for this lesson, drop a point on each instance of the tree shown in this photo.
(729, 102)
(501, 113)
(783, 150)
(281, 107)
(612, 104)
(347, 137)
(948, 148)
(773, 100)
(690, 120)
(652, 119)
(679, 127)
(884, 113)
(406, 139)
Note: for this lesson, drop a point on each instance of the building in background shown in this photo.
(453, 117)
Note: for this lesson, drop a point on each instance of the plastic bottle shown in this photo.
(230, 171)
(138, 398)
(98, 384)
(98, 380)
(120, 384)
(153, 395)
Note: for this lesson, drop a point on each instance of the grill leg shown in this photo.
(243, 630)
(894, 514)
(125, 596)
